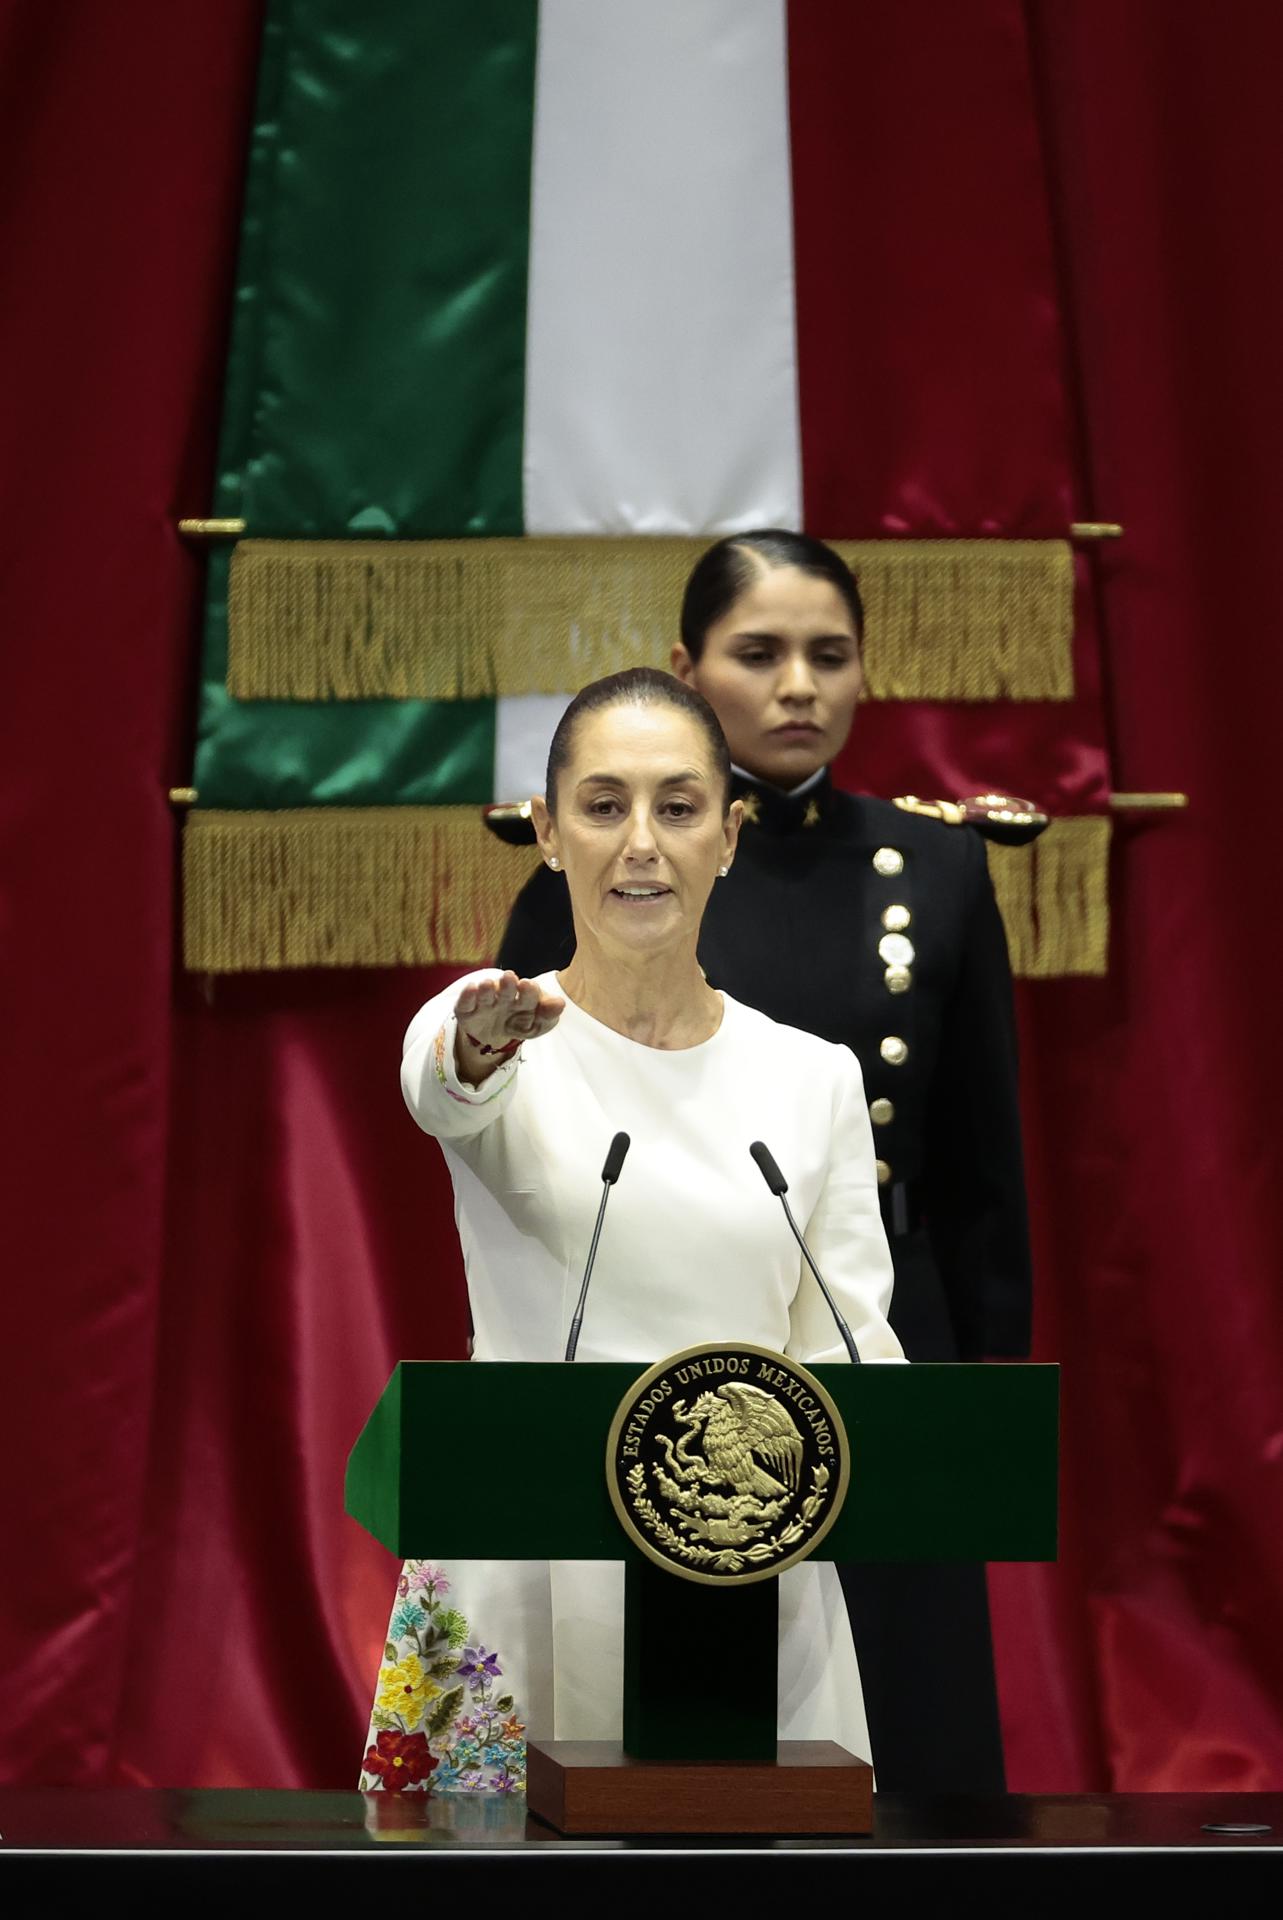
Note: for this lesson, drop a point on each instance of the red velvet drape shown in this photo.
(1151, 1657)
(220, 1228)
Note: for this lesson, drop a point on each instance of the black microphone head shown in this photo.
(615, 1158)
(770, 1172)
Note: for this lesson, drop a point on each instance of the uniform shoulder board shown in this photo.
(510, 821)
(951, 812)
(996, 816)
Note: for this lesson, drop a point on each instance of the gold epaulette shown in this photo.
(510, 821)
(995, 815)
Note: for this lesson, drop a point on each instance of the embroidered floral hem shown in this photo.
(442, 1719)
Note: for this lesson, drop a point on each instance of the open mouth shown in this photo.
(640, 896)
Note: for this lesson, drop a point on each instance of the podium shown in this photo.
(947, 1462)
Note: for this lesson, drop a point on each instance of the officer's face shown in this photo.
(640, 827)
(782, 672)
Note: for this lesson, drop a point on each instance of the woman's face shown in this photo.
(781, 670)
(639, 828)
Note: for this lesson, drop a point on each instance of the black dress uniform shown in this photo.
(878, 929)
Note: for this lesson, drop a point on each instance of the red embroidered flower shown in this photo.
(401, 1759)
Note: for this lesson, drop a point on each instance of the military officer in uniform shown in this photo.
(876, 928)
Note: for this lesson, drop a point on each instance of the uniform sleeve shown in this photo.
(445, 1106)
(540, 934)
(974, 1181)
(847, 1238)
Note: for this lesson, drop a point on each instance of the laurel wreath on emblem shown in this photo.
(752, 1448)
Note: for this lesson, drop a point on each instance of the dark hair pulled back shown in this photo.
(637, 687)
(726, 571)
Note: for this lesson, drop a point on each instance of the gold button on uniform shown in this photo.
(881, 1112)
(896, 949)
(896, 919)
(894, 1050)
(888, 862)
(884, 1173)
(898, 979)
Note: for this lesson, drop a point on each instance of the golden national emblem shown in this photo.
(727, 1464)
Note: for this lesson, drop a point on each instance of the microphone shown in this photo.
(609, 1174)
(779, 1187)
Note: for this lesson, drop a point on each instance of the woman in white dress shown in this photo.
(524, 1083)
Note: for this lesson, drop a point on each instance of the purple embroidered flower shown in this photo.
(477, 1666)
(503, 1783)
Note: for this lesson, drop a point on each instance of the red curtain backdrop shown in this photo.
(1151, 1657)
(221, 1228)
(924, 242)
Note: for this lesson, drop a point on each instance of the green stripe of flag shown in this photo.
(377, 365)
(381, 308)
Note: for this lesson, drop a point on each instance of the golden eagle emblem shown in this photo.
(743, 1432)
(734, 1480)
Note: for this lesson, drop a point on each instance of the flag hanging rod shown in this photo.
(1118, 802)
(211, 529)
(1147, 802)
(233, 529)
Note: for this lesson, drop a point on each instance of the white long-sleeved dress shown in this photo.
(695, 1248)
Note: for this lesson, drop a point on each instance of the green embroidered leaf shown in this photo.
(382, 1721)
(444, 1711)
(504, 1703)
(390, 1654)
(440, 1668)
(454, 1626)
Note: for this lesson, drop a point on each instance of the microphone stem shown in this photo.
(578, 1320)
(842, 1327)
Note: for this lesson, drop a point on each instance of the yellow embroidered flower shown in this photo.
(406, 1689)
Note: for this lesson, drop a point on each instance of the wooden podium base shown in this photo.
(591, 1786)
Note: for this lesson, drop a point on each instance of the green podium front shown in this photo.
(946, 1463)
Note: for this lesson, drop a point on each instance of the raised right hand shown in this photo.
(491, 1014)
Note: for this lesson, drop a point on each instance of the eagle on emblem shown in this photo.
(748, 1472)
(742, 1426)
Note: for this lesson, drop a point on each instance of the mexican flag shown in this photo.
(534, 297)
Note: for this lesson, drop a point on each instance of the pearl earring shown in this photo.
(555, 864)
(722, 872)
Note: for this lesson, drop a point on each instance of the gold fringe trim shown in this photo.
(475, 619)
(1054, 899)
(966, 619)
(345, 887)
(414, 886)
